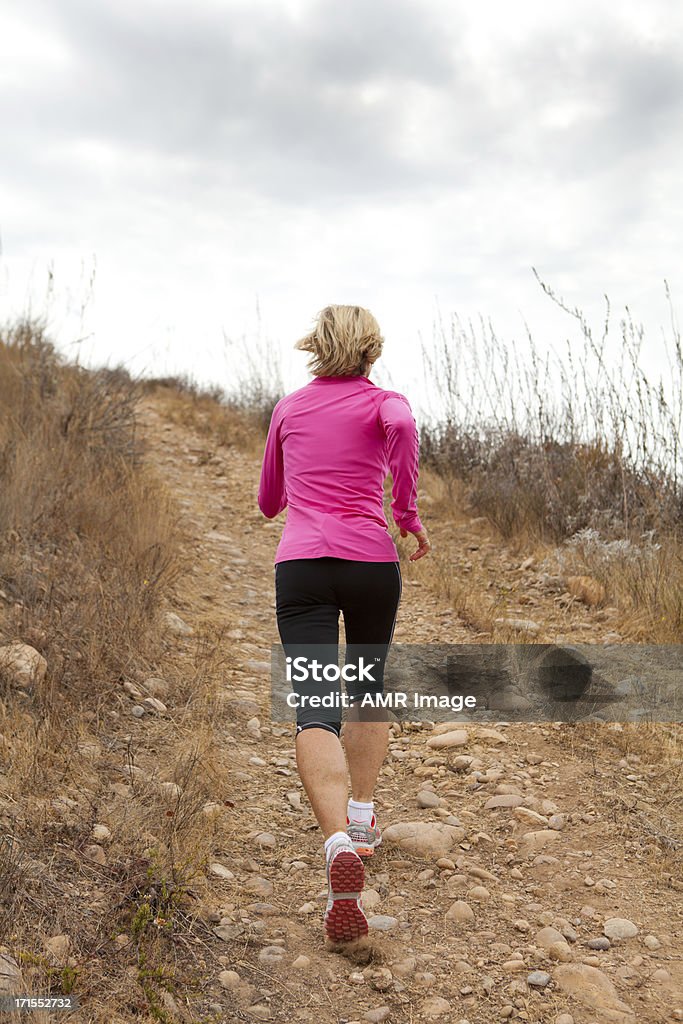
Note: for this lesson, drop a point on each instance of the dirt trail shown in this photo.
(593, 835)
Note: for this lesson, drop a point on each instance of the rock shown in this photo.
(155, 705)
(652, 942)
(371, 899)
(265, 839)
(101, 833)
(229, 980)
(518, 625)
(11, 982)
(435, 1006)
(503, 800)
(601, 942)
(589, 986)
(479, 893)
(157, 686)
(428, 799)
(538, 979)
(457, 738)
(492, 735)
(228, 932)
(377, 1015)
(175, 625)
(221, 871)
(404, 968)
(532, 842)
(557, 821)
(23, 664)
(302, 963)
(459, 914)
(529, 817)
(514, 966)
(95, 853)
(547, 936)
(259, 886)
(560, 951)
(271, 955)
(426, 839)
(382, 922)
(564, 1018)
(261, 1011)
(619, 928)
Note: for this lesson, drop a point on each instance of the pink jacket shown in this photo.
(330, 446)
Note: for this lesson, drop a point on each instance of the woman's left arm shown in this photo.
(272, 496)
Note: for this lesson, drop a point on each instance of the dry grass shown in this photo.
(89, 552)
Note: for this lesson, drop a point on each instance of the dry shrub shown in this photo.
(88, 539)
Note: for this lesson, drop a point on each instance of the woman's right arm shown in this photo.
(272, 496)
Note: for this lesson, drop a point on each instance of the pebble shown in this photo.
(460, 912)
(546, 937)
(174, 624)
(155, 705)
(619, 928)
(602, 942)
(377, 1015)
(435, 1006)
(479, 893)
(221, 871)
(404, 968)
(503, 800)
(229, 980)
(301, 963)
(265, 839)
(271, 955)
(652, 942)
(457, 738)
(538, 979)
(564, 1018)
(428, 799)
(382, 922)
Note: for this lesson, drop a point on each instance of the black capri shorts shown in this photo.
(310, 593)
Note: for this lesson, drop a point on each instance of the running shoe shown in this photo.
(365, 838)
(344, 918)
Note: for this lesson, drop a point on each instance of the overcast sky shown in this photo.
(412, 156)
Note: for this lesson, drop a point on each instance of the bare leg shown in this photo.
(366, 747)
(322, 770)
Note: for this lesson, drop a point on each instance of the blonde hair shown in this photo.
(345, 342)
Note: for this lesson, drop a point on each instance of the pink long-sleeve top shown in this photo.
(330, 446)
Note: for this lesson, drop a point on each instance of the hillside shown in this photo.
(196, 892)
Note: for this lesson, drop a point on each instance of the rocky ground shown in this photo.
(529, 872)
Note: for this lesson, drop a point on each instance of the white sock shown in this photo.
(359, 811)
(333, 839)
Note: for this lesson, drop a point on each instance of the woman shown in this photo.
(330, 445)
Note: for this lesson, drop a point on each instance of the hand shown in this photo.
(423, 544)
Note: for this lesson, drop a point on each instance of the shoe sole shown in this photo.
(366, 851)
(345, 920)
